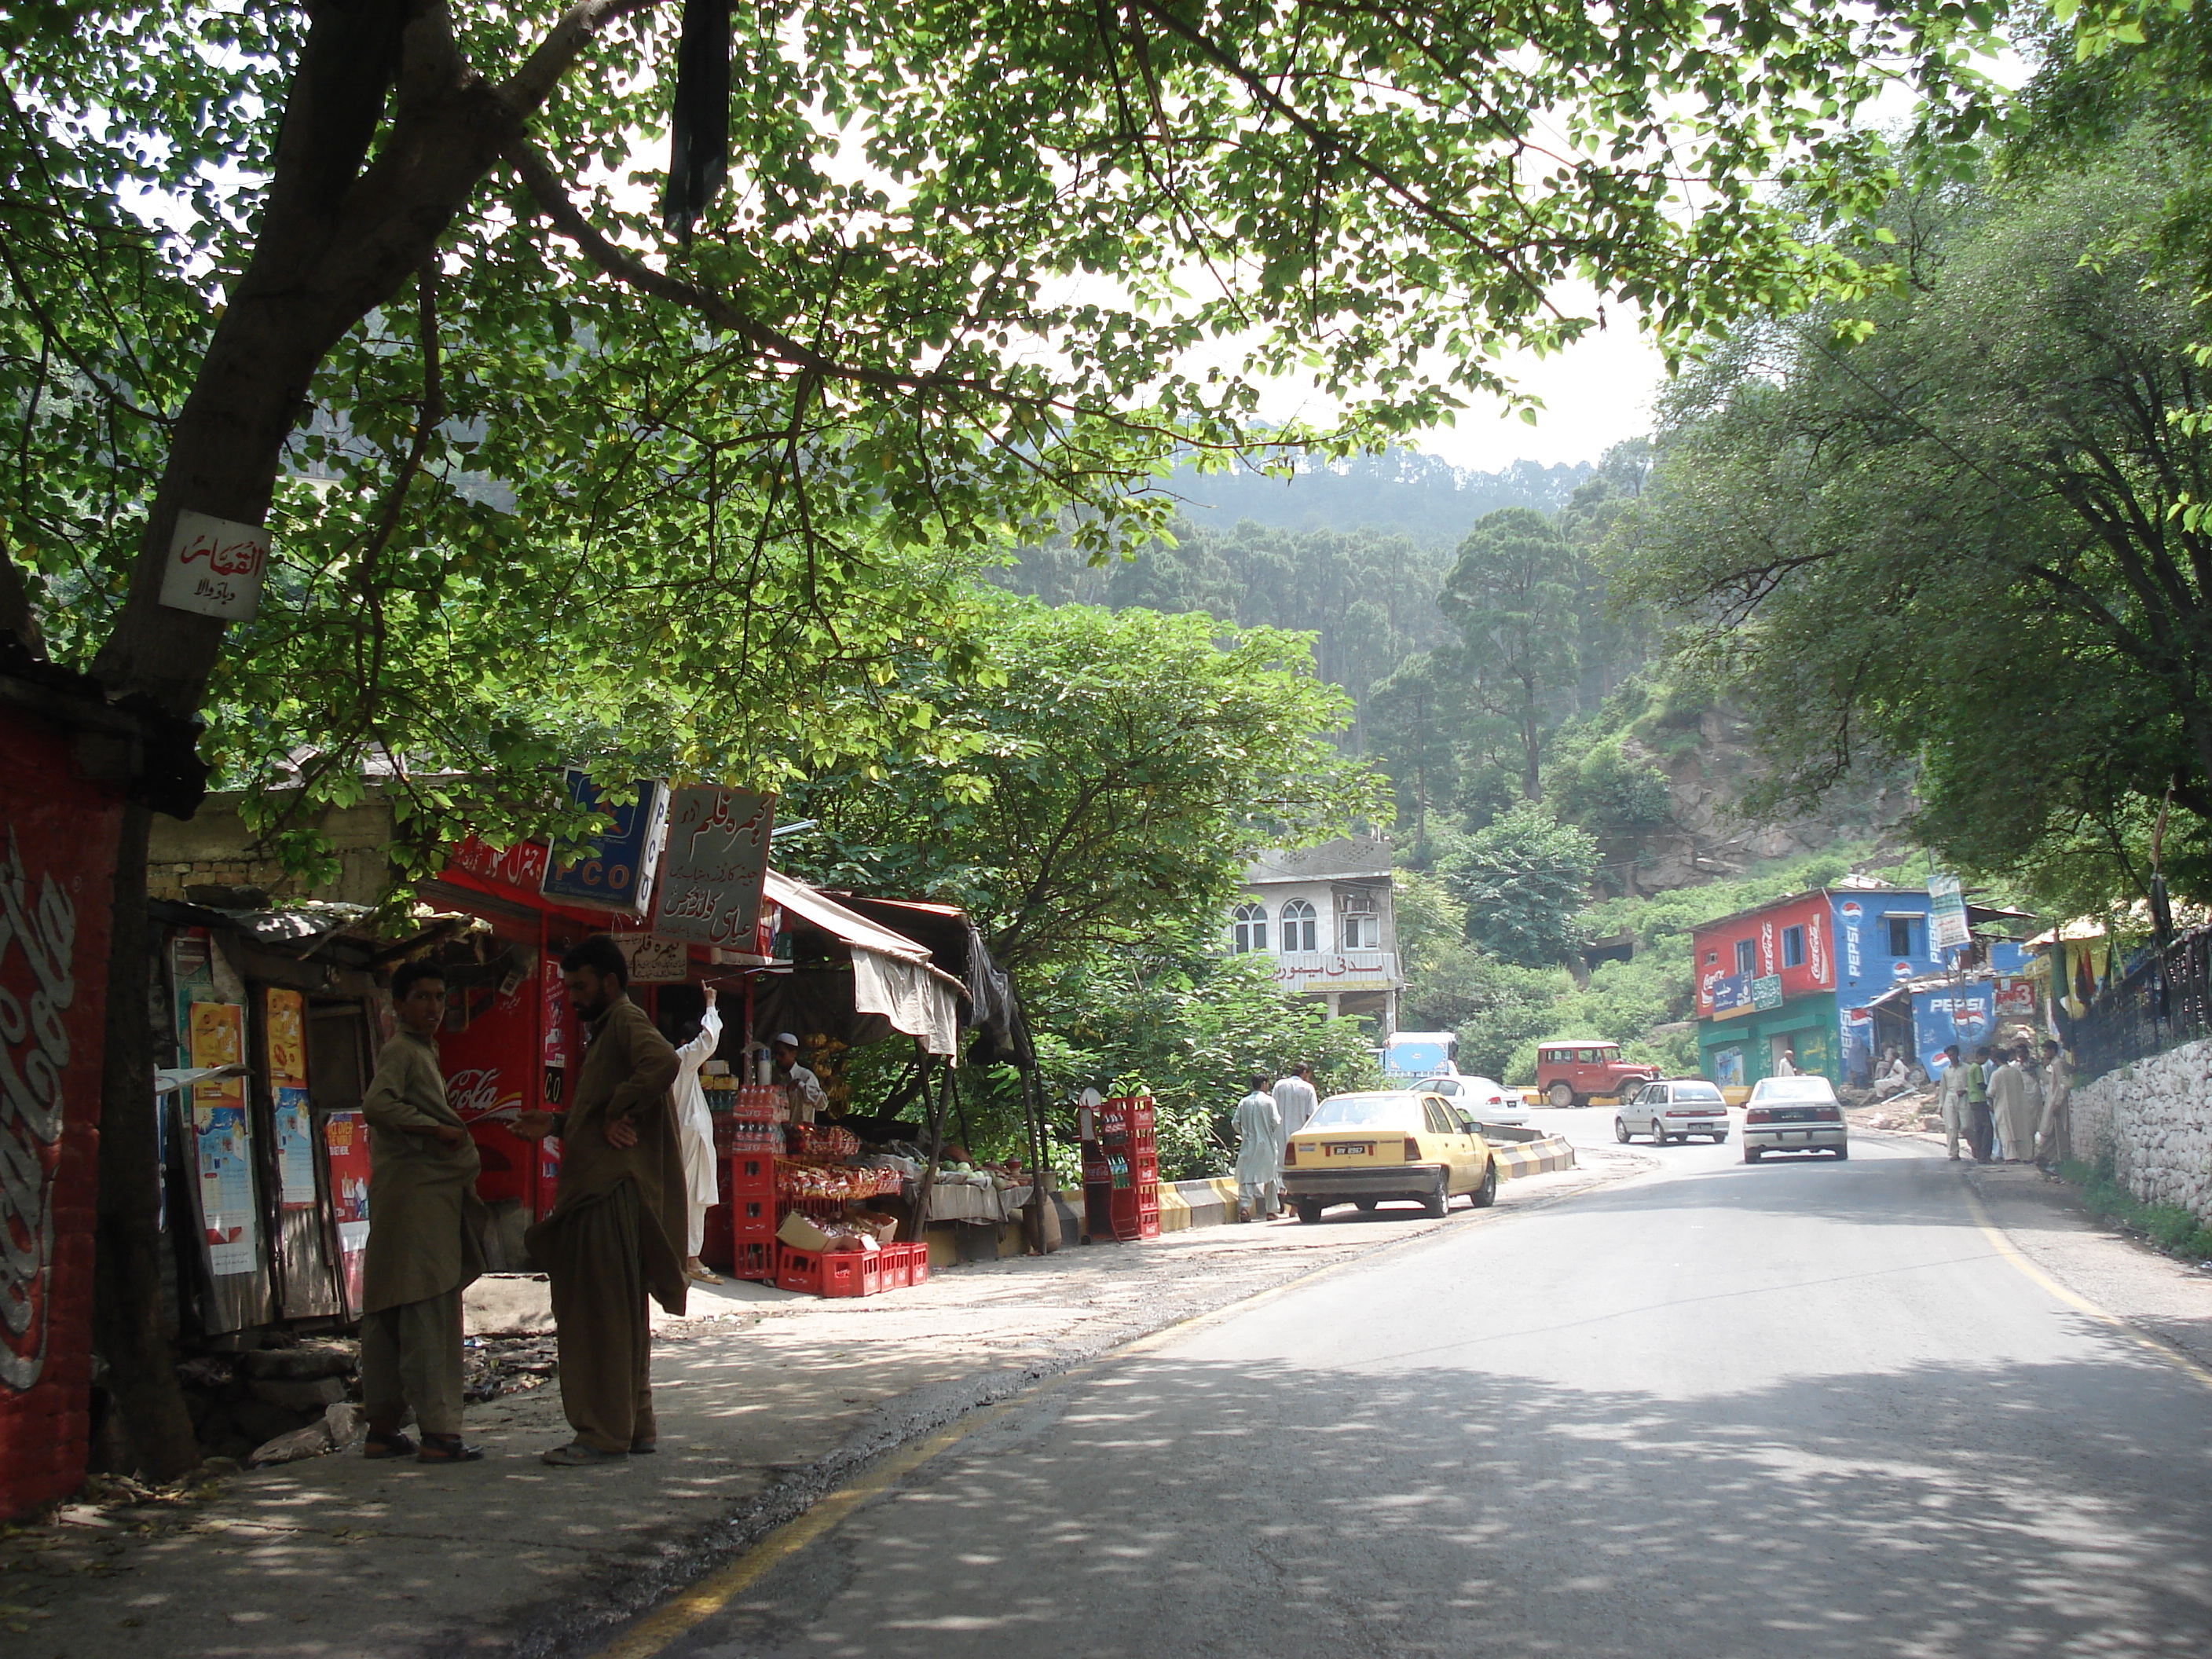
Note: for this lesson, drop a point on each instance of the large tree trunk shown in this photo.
(336, 241)
(154, 1429)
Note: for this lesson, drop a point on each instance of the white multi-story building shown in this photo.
(1325, 915)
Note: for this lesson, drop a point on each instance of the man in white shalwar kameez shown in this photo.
(1951, 1100)
(2010, 1104)
(1259, 1154)
(695, 1135)
(1296, 1100)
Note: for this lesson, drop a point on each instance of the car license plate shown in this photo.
(1352, 1149)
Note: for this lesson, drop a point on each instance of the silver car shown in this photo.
(1674, 1110)
(1793, 1115)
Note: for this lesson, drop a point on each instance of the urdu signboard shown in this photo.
(716, 863)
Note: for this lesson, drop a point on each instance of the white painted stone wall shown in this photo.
(2155, 1116)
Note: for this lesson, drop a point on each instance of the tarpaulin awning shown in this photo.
(799, 900)
(892, 974)
(907, 995)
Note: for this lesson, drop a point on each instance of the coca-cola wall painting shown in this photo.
(56, 884)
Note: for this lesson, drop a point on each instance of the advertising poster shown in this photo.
(225, 1169)
(285, 1016)
(1946, 915)
(215, 1036)
(716, 866)
(295, 1149)
(615, 870)
(345, 1143)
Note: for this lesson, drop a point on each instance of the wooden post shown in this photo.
(936, 1151)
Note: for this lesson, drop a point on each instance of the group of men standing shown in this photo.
(1266, 1120)
(2009, 1108)
(613, 1242)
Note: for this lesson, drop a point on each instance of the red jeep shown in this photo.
(1576, 1074)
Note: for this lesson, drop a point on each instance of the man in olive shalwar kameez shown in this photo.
(616, 1235)
(425, 1225)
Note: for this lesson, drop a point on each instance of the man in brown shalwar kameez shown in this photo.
(616, 1235)
(425, 1228)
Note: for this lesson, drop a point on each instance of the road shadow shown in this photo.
(1182, 1507)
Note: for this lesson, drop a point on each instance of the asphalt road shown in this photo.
(1798, 1408)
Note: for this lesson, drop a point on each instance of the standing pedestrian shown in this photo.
(425, 1239)
(1295, 1099)
(1787, 1066)
(611, 1240)
(696, 1125)
(2051, 1149)
(1980, 1128)
(2008, 1106)
(1951, 1102)
(1259, 1154)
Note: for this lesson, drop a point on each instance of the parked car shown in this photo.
(1385, 1146)
(1576, 1074)
(1484, 1099)
(1674, 1110)
(1793, 1115)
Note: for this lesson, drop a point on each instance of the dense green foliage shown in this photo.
(1970, 540)
(1368, 599)
(1468, 727)
(1522, 879)
(572, 483)
(1111, 774)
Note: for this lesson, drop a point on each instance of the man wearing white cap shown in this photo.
(806, 1096)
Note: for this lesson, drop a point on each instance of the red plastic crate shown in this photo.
(797, 1270)
(851, 1272)
(748, 1172)
(752, 1216)
(898, 1266)
(754, 1258)
(1143, 1167)
(919, 1262)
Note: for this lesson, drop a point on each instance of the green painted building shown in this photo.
(1741, 1049)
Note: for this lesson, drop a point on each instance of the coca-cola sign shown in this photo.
(38, 927)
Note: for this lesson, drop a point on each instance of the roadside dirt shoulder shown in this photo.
(2044, 1217)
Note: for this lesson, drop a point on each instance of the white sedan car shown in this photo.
(1481, 1099)
(1793, 1115)
(1674, 1110)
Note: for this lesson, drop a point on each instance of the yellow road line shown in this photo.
(708, 1596)
(2011, 1252)
(705, 1597)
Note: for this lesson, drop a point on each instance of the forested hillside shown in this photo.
(1558, 779)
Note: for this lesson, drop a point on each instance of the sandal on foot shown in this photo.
(448, 1448)
(643, 1448)
(389, 1445)
(577, 1455)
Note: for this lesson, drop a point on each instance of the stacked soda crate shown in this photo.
(1127, 1143)
(743, 1223)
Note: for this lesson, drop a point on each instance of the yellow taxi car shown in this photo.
(1375, 1147)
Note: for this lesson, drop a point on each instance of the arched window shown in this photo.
(1249, 931)
(1301, 929)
